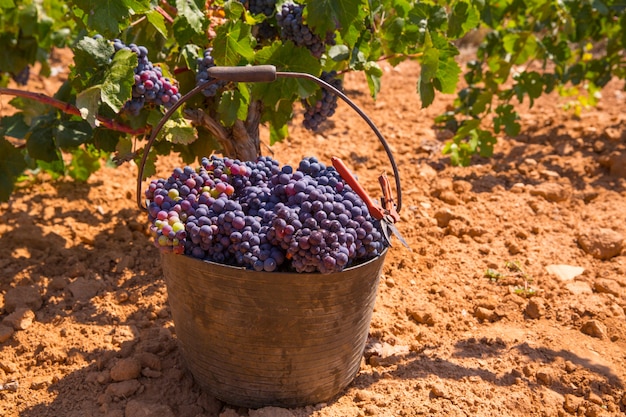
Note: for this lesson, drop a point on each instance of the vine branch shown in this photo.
(72, 110)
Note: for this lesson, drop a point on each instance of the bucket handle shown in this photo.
(262, 73)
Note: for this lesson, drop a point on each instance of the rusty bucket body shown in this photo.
(257, 339)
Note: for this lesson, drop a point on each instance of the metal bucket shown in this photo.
(257, 339)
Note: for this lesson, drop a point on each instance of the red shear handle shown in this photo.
(347, 176)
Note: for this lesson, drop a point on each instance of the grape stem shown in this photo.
(68, 108)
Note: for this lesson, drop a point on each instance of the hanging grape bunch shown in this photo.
(292, 27)
(263, 216)
(150, 87)
(202, 76)
(323, 108)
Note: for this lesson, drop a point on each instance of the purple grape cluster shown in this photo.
(323, 108)
(150, 84)
(289, 19)
(263, 216)
(266, 7)
(202, 76)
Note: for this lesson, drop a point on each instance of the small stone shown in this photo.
(437, 391)
(5, 333)
(370, 410)
(83, 289)
(121, 296)
(551, 191)
(362, 395)
(39, 384)
(136, 408)
(594, 328)
(8, 366)
(571, 403)
(518, 188)
(601, 243)
(484, 314)
(595, 398)
(422, 315)
(125, 369)
(443, 217)
(579, 287)
(20, 319)
(124, 388)
(593, 411)
(449, 197)
(390, 282)
(150, 360)
(22, 296)
(544, 377)
(570, 367)
(565, 272)
(536, 308)
(607, 286)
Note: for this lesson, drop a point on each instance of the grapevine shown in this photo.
(118, 90)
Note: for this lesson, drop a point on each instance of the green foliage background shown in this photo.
(530, 48)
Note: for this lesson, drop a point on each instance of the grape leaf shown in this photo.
(507, 118)
(157, 20)
(522, 46)
(40, 140)
(105, 139)
(119, 79)
(179, 131)
(373, 74)
(13, 126)
(7, 4)
(90, 53)
(71, 134)
(191, 14)
(323, 15)
(110, 16)
(83, 164)
(286, 57)
(87, 102)
(232, 106)
(12, 165)
(530, 83)
(233, 41)
(464, 17)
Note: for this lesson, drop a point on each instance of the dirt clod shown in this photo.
(601, 243)
(594, 328)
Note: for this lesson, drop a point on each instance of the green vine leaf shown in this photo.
(325, 15)
(119, 78)
(233, 41)
(71, 134)
(107, 18)
(286, 57)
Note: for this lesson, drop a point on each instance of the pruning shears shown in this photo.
(385, 211)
